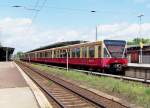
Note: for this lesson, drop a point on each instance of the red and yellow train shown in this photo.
(101, 55)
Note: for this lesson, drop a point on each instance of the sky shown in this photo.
(42, 22)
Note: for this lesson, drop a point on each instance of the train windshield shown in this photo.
(115, 48)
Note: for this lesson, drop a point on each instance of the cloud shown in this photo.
(16, 33)
(124, 31)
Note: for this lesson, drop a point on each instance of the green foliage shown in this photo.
(137, 41)
(135, 92)
(17, 56)
(0, 44)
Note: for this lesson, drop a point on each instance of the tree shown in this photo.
(0, 44)
(136, 41)
(18, 55)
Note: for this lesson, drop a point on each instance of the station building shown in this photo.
(136, 54)
(6, 53)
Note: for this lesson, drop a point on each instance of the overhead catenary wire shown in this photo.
(38, 8)
(37, 11)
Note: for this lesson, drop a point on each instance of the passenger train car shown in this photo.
(100, 55)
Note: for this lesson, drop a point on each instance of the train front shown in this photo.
(115, 55)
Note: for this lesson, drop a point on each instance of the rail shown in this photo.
(86, 94)
(142, 80)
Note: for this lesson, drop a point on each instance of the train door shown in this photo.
(134, 57)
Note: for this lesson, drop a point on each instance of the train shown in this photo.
(105, 56)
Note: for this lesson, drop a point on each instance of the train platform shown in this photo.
(17, 90)
(139, 65)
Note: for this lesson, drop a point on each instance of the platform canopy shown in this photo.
(58, 44)
(6, 53)
(138, 48)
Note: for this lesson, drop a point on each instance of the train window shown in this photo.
(43, 55)
(51, 54)
(27, 56)
(73, 53)
(30, 55)
(33, 55)
(106, 53)
(78, 52)
(61, 55)
(58, 53)
(54, 56)
(91, 52)
(84, 52)
(68, 53)
(99, 51)
(40, 55)
(46, 54)
(64, 53)
(37, 55)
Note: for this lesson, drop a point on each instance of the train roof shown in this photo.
(138, 46)
(63, 45)
(131, 48)
(58, 44)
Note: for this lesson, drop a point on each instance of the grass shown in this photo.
(132, 91)
(50, 82)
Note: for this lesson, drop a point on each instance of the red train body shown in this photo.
(107, 54)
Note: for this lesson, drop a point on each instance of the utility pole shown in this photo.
(6, 54)
(140, 30)
(29, 58)
(67, 60)
(96, 33)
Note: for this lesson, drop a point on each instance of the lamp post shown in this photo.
(67, 60)
(140, 29)
(96, 30)
(6, 54)
(19, 6)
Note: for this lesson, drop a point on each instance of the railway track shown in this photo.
(105, 75)
(62, 96)
(67, 95)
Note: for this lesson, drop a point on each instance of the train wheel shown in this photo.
(116, 69)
